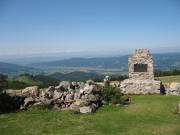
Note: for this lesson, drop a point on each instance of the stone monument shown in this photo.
(141, 75)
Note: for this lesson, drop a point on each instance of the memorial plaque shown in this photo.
(140, 67)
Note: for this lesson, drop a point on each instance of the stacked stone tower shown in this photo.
(141, 74)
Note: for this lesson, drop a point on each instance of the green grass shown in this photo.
(169, 79)
(147, 115)
(28, 80)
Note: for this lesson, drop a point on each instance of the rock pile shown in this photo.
(76, 96)
(173, 91)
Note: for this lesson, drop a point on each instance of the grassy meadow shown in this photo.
(146, 115)
(169, 79)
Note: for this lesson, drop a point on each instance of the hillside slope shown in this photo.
(13, 69)
(39, 80)
(75, 76)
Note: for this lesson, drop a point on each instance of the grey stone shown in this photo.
(88, 89)
(31, 91)
(57, 95)
(74, 107)
(69, 97)
(90, 82)
(92, 98)
(178, 86)
(64, 97)
(64, 85)
(50, 89)
(81, 85)
(172, 91)
(45, 98)
(81, 102)
(86, 109)
(28, 101)
(77, 95)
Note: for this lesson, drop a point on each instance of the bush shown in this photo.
(10, 103)
(98, 80)
(166, 73)
(112, 95)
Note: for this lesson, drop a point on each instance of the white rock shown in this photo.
(86, 109)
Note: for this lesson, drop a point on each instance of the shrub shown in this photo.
(10, 103)
(98, 80)
(112, 95)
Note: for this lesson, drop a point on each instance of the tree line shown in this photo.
(166, 73)
(9, 83)
(157, 73)
(113, 78)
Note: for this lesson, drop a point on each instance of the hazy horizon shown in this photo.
(88, 28)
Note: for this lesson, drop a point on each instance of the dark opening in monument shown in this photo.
(140, 67)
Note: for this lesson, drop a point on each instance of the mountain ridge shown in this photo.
(162, 61)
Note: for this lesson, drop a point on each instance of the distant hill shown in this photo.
(165, 61)
(39, 80)
(112, 62)
(15, 70)
(110, 65)
(7, 67)
(26, 80)
(75, 76)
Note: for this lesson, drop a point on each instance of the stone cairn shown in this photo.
(76, 96)
(141, 75)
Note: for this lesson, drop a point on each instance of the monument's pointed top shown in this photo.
(141, 52)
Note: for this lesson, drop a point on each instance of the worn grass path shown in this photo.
(147, 115)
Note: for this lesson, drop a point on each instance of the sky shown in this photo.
(33, 27)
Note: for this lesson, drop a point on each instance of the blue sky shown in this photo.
(29, 27)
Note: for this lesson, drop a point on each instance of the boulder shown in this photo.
(31, 91)
(74, 108)
(80, 85)
(86, 109)
(50, 89)
(57, 95)
(88, 89)
(45, 97)
(77, 95)
(172, 91)
(90, 82)
(92, 98)
(64, 86)
(178, 86)
(81, 102)
(69, 97)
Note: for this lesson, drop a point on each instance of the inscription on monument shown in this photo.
(140, 67)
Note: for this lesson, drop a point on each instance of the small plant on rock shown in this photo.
(112, 95)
